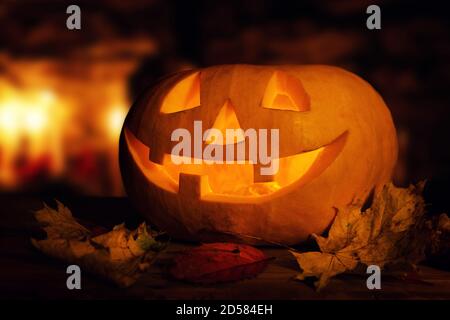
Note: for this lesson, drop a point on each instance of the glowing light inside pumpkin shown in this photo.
(226, 119)
(285, 92)
(238, 179)
(232, 182)
(184, 95)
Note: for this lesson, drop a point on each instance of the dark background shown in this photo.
(407, 61)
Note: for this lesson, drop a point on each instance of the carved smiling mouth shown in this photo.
(232, 182)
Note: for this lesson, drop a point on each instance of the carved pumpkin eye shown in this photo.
(285, 92)
(183, 96)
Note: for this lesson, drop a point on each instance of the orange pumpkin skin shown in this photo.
(343, 114)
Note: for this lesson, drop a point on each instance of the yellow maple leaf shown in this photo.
(391, 231)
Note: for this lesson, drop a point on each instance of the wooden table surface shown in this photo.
(27, 273)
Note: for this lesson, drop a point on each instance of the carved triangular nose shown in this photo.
(226, 119)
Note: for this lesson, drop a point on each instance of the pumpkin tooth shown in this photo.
(152, 171)
(193, 186)
(156, 155)
(258, 177)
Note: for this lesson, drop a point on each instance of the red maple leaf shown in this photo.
(219, 262)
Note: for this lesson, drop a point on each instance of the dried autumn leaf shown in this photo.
(59, 223)
(120, 255)
(439, 249)
(392, 231)
(219, 262)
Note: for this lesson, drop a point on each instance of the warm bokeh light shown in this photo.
(25, 111)
(27, 124)
(115, 119)
(61, 125)
(8, 118)
(36, 119)
(47, 96)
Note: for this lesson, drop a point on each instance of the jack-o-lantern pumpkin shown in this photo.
(337, 143)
